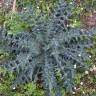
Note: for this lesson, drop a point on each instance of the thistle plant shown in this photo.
(50, 53)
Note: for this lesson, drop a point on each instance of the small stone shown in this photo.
(79, 55)
(82, 8)
(73, 92)
(7, 4)
(75, 88)
(82, 30)
(91, 69)
(83, 92)
(14, 88)
(78, 88)
(37, 7)
(94, 68)
(25, 8)
(86, 72)
(70, 2)
(67, 25)
(75, 21)
(75, 66)
(81, 83)
(40, 1)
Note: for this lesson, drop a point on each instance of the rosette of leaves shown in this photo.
(47, 55)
